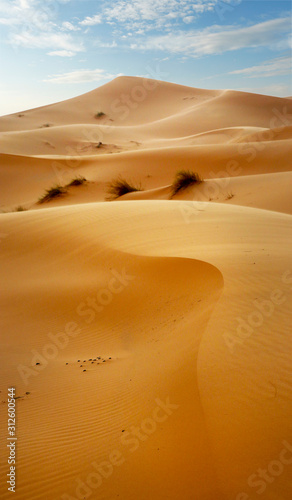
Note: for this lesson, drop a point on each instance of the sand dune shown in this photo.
(148, 338)
(217, 133)
(275, 134)
(152, 168)
(84, 140)
(121, 392)
(266, 191)
(112, 99)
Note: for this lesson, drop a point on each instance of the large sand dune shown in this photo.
(148, 338)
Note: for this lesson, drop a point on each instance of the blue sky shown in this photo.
(56, 49)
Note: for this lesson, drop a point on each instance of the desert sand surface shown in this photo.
(149, 337)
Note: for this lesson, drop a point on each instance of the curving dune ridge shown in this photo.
(148, 338)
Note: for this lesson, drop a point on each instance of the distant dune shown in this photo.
(148, 338)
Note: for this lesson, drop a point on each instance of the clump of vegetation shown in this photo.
(20, 115)
(119, 187)
(77, 181)
(45, 125)
(99, 114)
(20, 208)
(53, 192)
(59, 190)
(99, 145)
(184, 179)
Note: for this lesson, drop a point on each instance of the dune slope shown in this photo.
(149, 130)
(161, 346)
(148, 338)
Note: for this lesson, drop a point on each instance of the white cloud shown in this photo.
(107, 45)
(29, 13)
(8, 21)
(156, 14)
(69, 26)
(219, 39)
(46, 40)
(33, 24)
(62, 53)
(188, 19)
(82, 76)
(36, 24)
(274, 67)
(91, 21)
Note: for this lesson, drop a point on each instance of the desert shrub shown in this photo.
(184, 179)
(20, 209)
(53, 192)
(99, 114)
(119, 187)
(77, 181)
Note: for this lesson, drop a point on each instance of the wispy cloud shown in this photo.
(62, 53)
(29, 13)
(142, 16)
(34, 24)
(219, 39)
(69, 26)
(274, 67)
(107, 45)
(82, 76)
(91, 21)
(155, 14)
(46, 40)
